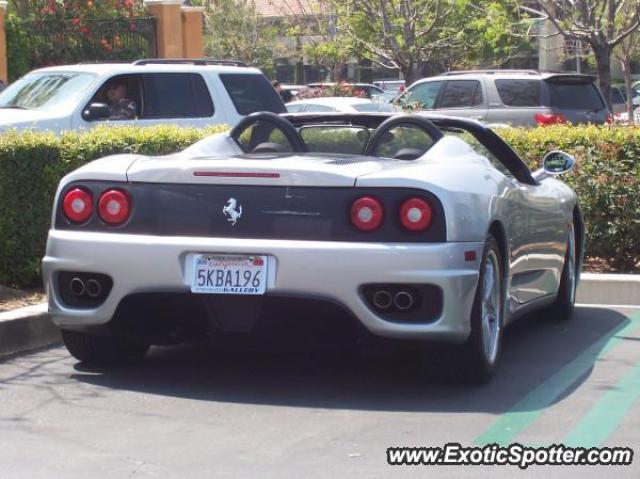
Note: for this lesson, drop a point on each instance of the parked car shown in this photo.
(622, 118)
(190, 93)
(343, 104)
(392, 89)
(619, 99)
(514, 97)
(365, 89)
(297, 91)
(394, 86)
(421, 229)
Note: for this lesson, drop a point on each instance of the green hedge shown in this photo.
(607, 179)
(32, 164)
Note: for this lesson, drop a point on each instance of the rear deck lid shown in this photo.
(259, 169)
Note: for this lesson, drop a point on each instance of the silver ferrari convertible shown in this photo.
(415, 227)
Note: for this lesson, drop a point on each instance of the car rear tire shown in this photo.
(481, 352)
(564, 305)
(103, 349)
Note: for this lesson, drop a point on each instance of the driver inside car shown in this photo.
(120, 106)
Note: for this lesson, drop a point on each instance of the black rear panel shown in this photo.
(268, 212)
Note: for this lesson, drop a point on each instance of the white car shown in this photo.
(410, 227)
(395, 86)
(194, 93)
(346, 104)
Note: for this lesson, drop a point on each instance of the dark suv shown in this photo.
(513, 97)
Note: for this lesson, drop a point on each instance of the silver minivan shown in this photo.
(513, 97)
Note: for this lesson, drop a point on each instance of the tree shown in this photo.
(602, 24)
(400, 34)
(330, 53)
(490, 34)
(67, 9)
(394, 33)
(236, 31)
(314, 26)
(627, 51)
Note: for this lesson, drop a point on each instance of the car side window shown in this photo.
(522, 93)
(176, 95)
(423, 94)
(122, 94)
(250, 93)
(461, 94)
(617, 96)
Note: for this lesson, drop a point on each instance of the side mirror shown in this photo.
(96, 111)
(555, 163)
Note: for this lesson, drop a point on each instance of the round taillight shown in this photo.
(416, 214)
(114, 207)
(366, 213)
(78, 205)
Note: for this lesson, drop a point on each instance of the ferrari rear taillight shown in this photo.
(114, 207)
(416, 214)
(367, 213)
(543, 119)
(77, 205)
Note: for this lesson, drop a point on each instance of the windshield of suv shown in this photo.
(45, 91)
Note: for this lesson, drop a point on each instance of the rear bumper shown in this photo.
(335, 271)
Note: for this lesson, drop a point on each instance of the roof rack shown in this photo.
(189, 61)
(491, 72)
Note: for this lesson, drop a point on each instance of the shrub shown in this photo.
(607, 179)
(32, 164)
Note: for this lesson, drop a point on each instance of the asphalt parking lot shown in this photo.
(195, 412)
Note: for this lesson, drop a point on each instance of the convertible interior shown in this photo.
(402, 137)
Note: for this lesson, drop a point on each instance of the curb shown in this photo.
(26, 329)
(618, 289)
(30, 328)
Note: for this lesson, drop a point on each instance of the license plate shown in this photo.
(229, 274)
